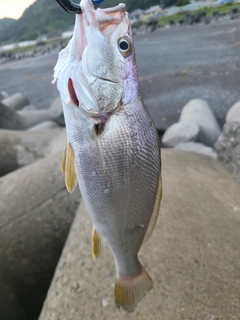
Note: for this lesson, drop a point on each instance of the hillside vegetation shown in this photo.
(46, 16)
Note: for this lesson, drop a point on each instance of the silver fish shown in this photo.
(113, 149)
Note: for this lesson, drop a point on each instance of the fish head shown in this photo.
(97, 70)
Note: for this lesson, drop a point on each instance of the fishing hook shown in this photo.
(72, 7)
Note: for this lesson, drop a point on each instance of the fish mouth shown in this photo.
(93, 20)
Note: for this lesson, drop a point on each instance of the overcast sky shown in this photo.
(13, 8)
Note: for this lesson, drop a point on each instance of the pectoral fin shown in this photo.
(68, 167)
(64, 156)
(96, 244)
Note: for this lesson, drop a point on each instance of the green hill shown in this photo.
(46, 16)
(5, 23)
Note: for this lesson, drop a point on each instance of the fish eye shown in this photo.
(125, 46)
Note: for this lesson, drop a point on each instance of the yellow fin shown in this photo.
(96, 244)
(70, 170)
(155, 213)
(64, 156)
(128, 292)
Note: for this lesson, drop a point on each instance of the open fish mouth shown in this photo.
(94, 20)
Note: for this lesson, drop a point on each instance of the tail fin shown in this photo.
(128, 292)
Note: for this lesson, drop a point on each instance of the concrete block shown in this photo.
(3, 95)
(180, 132)
(56, 112)
(10, 119)
(21, 148)
(228, 148)
(36, 213)
(199, 112)
(198, 148)
(46, 125)
(233, 114)
(17, 101)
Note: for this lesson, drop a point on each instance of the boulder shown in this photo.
(233, 114)
(36, 212)
(21, 148)
(17, 101)
(180, 132)
(197, 147)
(198, 111)
(193, 254)
(228, 148)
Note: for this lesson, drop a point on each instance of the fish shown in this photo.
(113, 149)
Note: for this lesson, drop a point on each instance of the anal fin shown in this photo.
(96, 244)
(129, 291)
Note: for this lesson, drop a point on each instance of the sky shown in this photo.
(13, 8)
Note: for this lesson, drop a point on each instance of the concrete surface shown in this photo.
(175, 65)
(193, 255)
(36, 212)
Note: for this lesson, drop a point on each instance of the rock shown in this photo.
(228, 148)
(21, 148)
(215, 14)
(3, 95)
(206, 20)
(233, 114)
(197, 147)
(180, 132)
(36, 212)
(56, 112)
(17, 101)
(193, 255)
(198, 111)
(46, 125)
